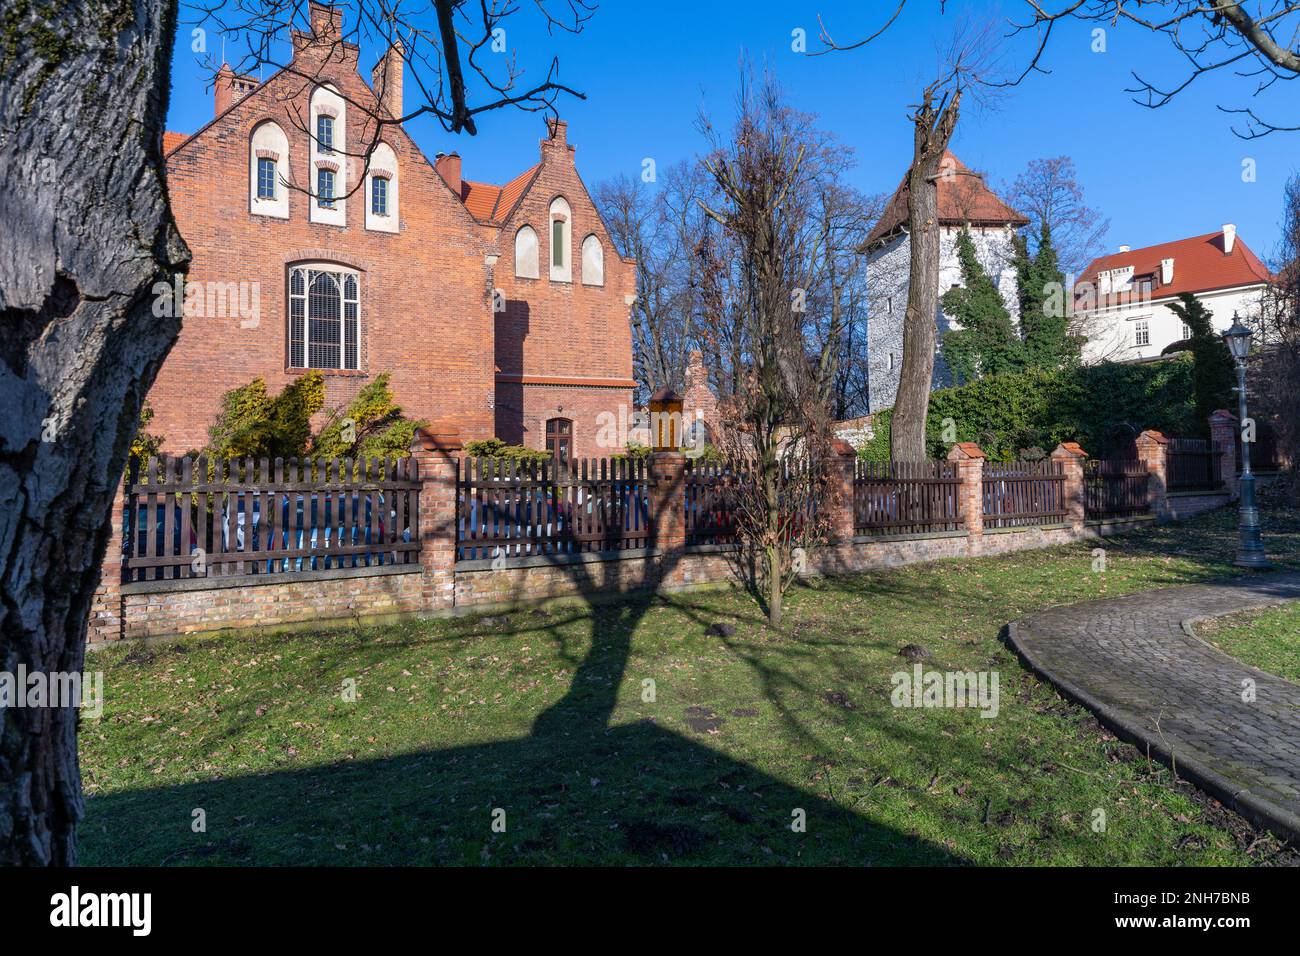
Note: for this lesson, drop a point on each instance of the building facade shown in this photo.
(1121, 301)
(965, 203)
(324, 240)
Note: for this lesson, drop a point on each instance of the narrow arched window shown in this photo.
(268, 171)
(329, 123)
(526, 253)
(559, 439)
(561, 237)
(382, 189)
(593, 261)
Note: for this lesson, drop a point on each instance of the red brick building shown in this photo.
(495, 309)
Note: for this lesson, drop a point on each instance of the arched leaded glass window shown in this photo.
(324, 318)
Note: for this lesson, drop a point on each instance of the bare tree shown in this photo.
(775, 430)
(1210, 36)
(1048, 192)
(87, 234)
(660, 225)
(1275, 372)
(966, 71)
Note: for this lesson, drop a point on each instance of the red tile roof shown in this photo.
(172, 140)
(494, 204)
(963, 197)
(1199, 266)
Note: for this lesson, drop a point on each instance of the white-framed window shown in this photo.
(1141, 332)
(325, 188)
(268, 171)
(593, 261)
(1187, 331)
(526, 253)
(382, 190)
(266, 177)
(561, 241)
(324, 317)
(328, 154)
(325, 132)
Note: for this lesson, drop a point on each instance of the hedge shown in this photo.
(1025, 414)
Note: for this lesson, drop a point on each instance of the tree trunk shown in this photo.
(87, 234)
(774, 586)
(933, 130)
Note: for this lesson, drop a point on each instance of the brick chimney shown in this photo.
(326, 21)
(229, 88)
(1229, 238)
(557, 139)
(448, 167)
(386, 79)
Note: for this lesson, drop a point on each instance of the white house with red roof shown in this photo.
(965, 202)
(1121, 301)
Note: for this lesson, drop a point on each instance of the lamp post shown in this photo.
(1250, 550)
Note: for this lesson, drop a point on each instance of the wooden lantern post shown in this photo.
(666, 420)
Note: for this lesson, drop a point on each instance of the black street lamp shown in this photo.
(1250, 550)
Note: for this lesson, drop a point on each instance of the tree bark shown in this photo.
(933, 130)
(87, 234)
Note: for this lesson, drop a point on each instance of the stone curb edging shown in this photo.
(1258, 810)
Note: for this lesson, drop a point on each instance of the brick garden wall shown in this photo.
(439, 584)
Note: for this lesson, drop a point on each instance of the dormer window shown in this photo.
(265, 177)
(325, 133)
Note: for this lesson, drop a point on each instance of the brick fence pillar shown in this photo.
(1072, 457)
(843, 519)
(668, 500)
(1223, 439)
(435, 451)
(107, 613)
(1152, 447)
(970, 469)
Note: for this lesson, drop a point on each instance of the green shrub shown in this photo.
(253, 423)
(497, 449)
(372, 421)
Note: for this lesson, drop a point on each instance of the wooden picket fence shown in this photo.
(1023, 494)
(906, 497)
(1115, 488)
(200, 518)
(519, 509)
(710, 503)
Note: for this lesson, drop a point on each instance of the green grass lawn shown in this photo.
(1268, 639)
(549, 717)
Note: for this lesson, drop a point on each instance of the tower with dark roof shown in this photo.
(965, 202)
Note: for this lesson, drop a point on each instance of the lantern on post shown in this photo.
(666, 420)
(1250, 550)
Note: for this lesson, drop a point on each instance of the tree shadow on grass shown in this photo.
(578, 790)
(575, 791)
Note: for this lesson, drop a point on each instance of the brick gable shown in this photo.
(425, 301)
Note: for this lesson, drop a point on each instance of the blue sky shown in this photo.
(648, 70)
